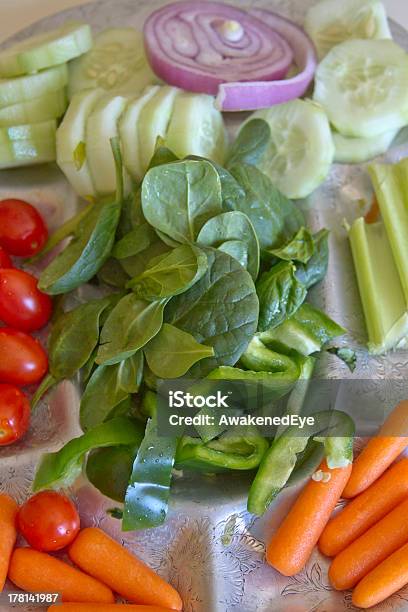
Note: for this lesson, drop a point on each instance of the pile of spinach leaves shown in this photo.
(205, 266)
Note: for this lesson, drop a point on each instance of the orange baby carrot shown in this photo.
(101, 556)
(8, 534)
(292, 544)
(380, 452)
(35, 571)
(366, 509)
(385, 580)
(88, 607)
(370, 549)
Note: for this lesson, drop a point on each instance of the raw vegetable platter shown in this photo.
(210, 548)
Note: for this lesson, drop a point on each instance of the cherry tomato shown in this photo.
(23, 360)
(22, 305)
(22, 229)
(48, 521)
(14, 414)
(5, 261)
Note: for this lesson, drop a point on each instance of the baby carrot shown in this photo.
(370, 549)
(366, 509)
(385, 580)
(380, 452)
(35, 571)
(100, 556)
(87, 607)
(292, 544)
(8, 534)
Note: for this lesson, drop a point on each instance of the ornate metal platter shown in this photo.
(211, 549)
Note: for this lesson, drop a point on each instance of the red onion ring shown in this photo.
(257, 94)
(198, 46)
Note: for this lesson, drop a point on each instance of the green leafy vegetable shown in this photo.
(316, 268)
(58, 470)
(251, 142)
(233, 233)
(345, 354)
(147, 496)
(135, 241)
(171, 273)
(179, 198)
(172, 352)
(299, 248)
(221, 311)
(129, 327)
(280, 295)
(109, 470)
(113, 274)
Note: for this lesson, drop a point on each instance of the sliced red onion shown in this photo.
(261, 93)
(198, 46)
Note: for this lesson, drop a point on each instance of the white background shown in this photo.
(16, 14)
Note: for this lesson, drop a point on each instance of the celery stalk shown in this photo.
(390, 183)
(382, 293)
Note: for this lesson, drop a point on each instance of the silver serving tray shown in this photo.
(210, 548)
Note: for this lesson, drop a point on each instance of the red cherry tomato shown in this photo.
(14, 414)
(22, 229)
(22, 305)
(5, 261)
(23, 360)
(48, 521)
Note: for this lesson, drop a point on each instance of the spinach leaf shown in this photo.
(170, 274)
(274, 217)
(299, 248)
(130, 325)
(316, 268)
(147, 496)
(172, 352)
(280, 295)
(233, 226)
(109, 470)
(179, 198)
(135, 241)
(136, 264)
(113, 274)
(230, 188)
(57, 470)
(221, 311)
(345, 354)
(91, 246)
(162, 155)
(251, 142)
(131, 215)
(108, 387)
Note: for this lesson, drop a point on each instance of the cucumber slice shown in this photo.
(102, 125)
(117, 63)
(45, 50)
(359, 150)
(71, 135)
(197, 128)
(363, 87)
(24, 145)
(301, 150)
(154, 122)
(331, 22)
(129, 133)
(25, 88)
(50, 106)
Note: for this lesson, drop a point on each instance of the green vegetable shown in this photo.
(129, 327)
(109, 470)
(113, 274)
(316, 268)
(37, 110)
(170, 274)
(59, 470)
(307, 462)
(251, 143)
(237, 449)
(359, 150)
(134, 242)
(27, 87)
(179, 198)
(90, 248)
(280, 460)
(172, 352)
(233, 233)
(108, 386)
(24, 145)
(280, 295)
(307, 331)
(345, 354)
(220, 311)
(147, 496)
(299, 248)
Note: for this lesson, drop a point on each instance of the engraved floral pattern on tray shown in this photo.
(211, 549)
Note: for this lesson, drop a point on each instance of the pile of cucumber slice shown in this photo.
(33, 84)
(188, 123)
